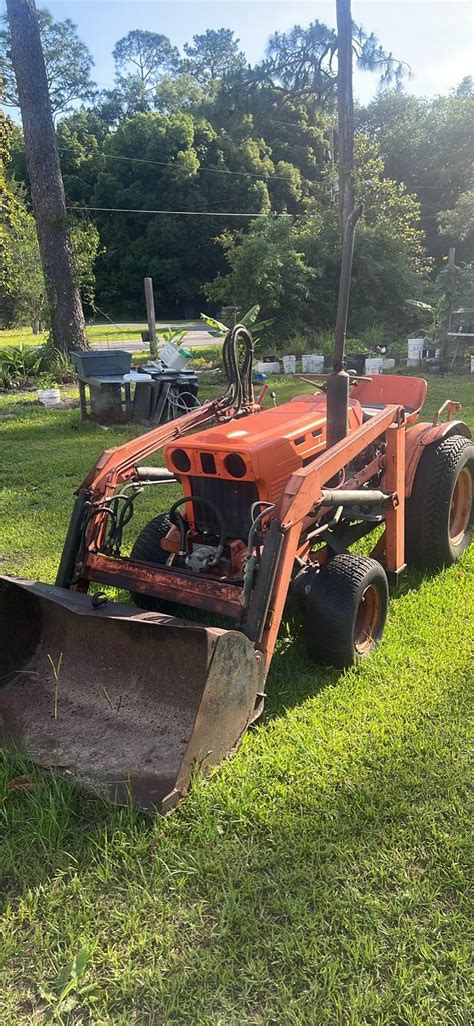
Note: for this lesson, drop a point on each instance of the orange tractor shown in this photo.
(135, 697)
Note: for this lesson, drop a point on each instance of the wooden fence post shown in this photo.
(150, 316)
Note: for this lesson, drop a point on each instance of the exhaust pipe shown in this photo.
(338, 381)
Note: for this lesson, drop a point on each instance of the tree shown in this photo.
(9, 206)
(27, 293)
(428, 145)
(303, 61)
(47, 191)
(67, 60)
(290, 267)
(458, 222)
(183, 164)
(141, 59)
(81, 138)
(175, 93)
(318, 61)
(213, 55)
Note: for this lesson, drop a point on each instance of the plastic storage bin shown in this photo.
(94, 363)
(174, 358)
(49, 396)
(415, 351)
(312, 363)
(289, 364)
(373, 365)
(268, 368)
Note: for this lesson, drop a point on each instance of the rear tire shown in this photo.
(345, 609)
(439, 511)
(147, 549)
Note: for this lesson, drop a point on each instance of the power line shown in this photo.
(214, 170)
(186, 213)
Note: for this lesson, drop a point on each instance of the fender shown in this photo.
(421, 435)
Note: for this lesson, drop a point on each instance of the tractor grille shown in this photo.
(233, 498)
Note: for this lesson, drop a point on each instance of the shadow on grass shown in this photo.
(52, 815)
(355, 859)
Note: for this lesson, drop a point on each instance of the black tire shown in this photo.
(339, 627)
(434, 537)
(148, 549)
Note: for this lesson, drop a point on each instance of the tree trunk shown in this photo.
(345, 110)
(47, 189)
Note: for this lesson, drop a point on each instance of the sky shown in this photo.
(435, 37)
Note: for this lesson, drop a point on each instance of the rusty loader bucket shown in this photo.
(127, 701)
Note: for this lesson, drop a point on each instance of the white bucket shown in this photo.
(373, 365)
(173, 357)
(312, 363)
(49, 396)
(267, 368)
(415, 351)
(289, 364)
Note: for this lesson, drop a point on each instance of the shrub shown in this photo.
(20, 365)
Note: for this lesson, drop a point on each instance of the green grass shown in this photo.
(95, 333)
(321, 876)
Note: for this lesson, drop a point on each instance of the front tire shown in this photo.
(147, 549)
(345, 608)
(439, 511)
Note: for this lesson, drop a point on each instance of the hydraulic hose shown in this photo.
(178, 521)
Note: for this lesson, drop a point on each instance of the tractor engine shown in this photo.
(226, 469)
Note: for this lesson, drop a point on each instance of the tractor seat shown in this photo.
(390, 389)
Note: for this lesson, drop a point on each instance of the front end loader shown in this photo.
(133, 698)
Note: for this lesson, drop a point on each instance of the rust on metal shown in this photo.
(165, 582)
(163, 695)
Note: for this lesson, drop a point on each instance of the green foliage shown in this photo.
(427, 144)
(175, 336)
(303, 60)
(205, 133)
(69, 987)
(26, 291)
(458, 222)
(19, 365)
(249, 321)
(67, 60)
(266, 265)
(292, 270)
(213, 55)
(59, 365)
(8, 208)
(141, 58)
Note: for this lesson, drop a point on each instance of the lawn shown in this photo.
(95, 333)
(321, 876)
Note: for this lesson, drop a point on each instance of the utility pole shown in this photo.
(448, 298)
(150, 315)
(345, 110)
(47, 189)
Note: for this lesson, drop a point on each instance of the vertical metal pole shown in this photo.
(150, 315)
(344, 289)
(394, 481)
(338, 382)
